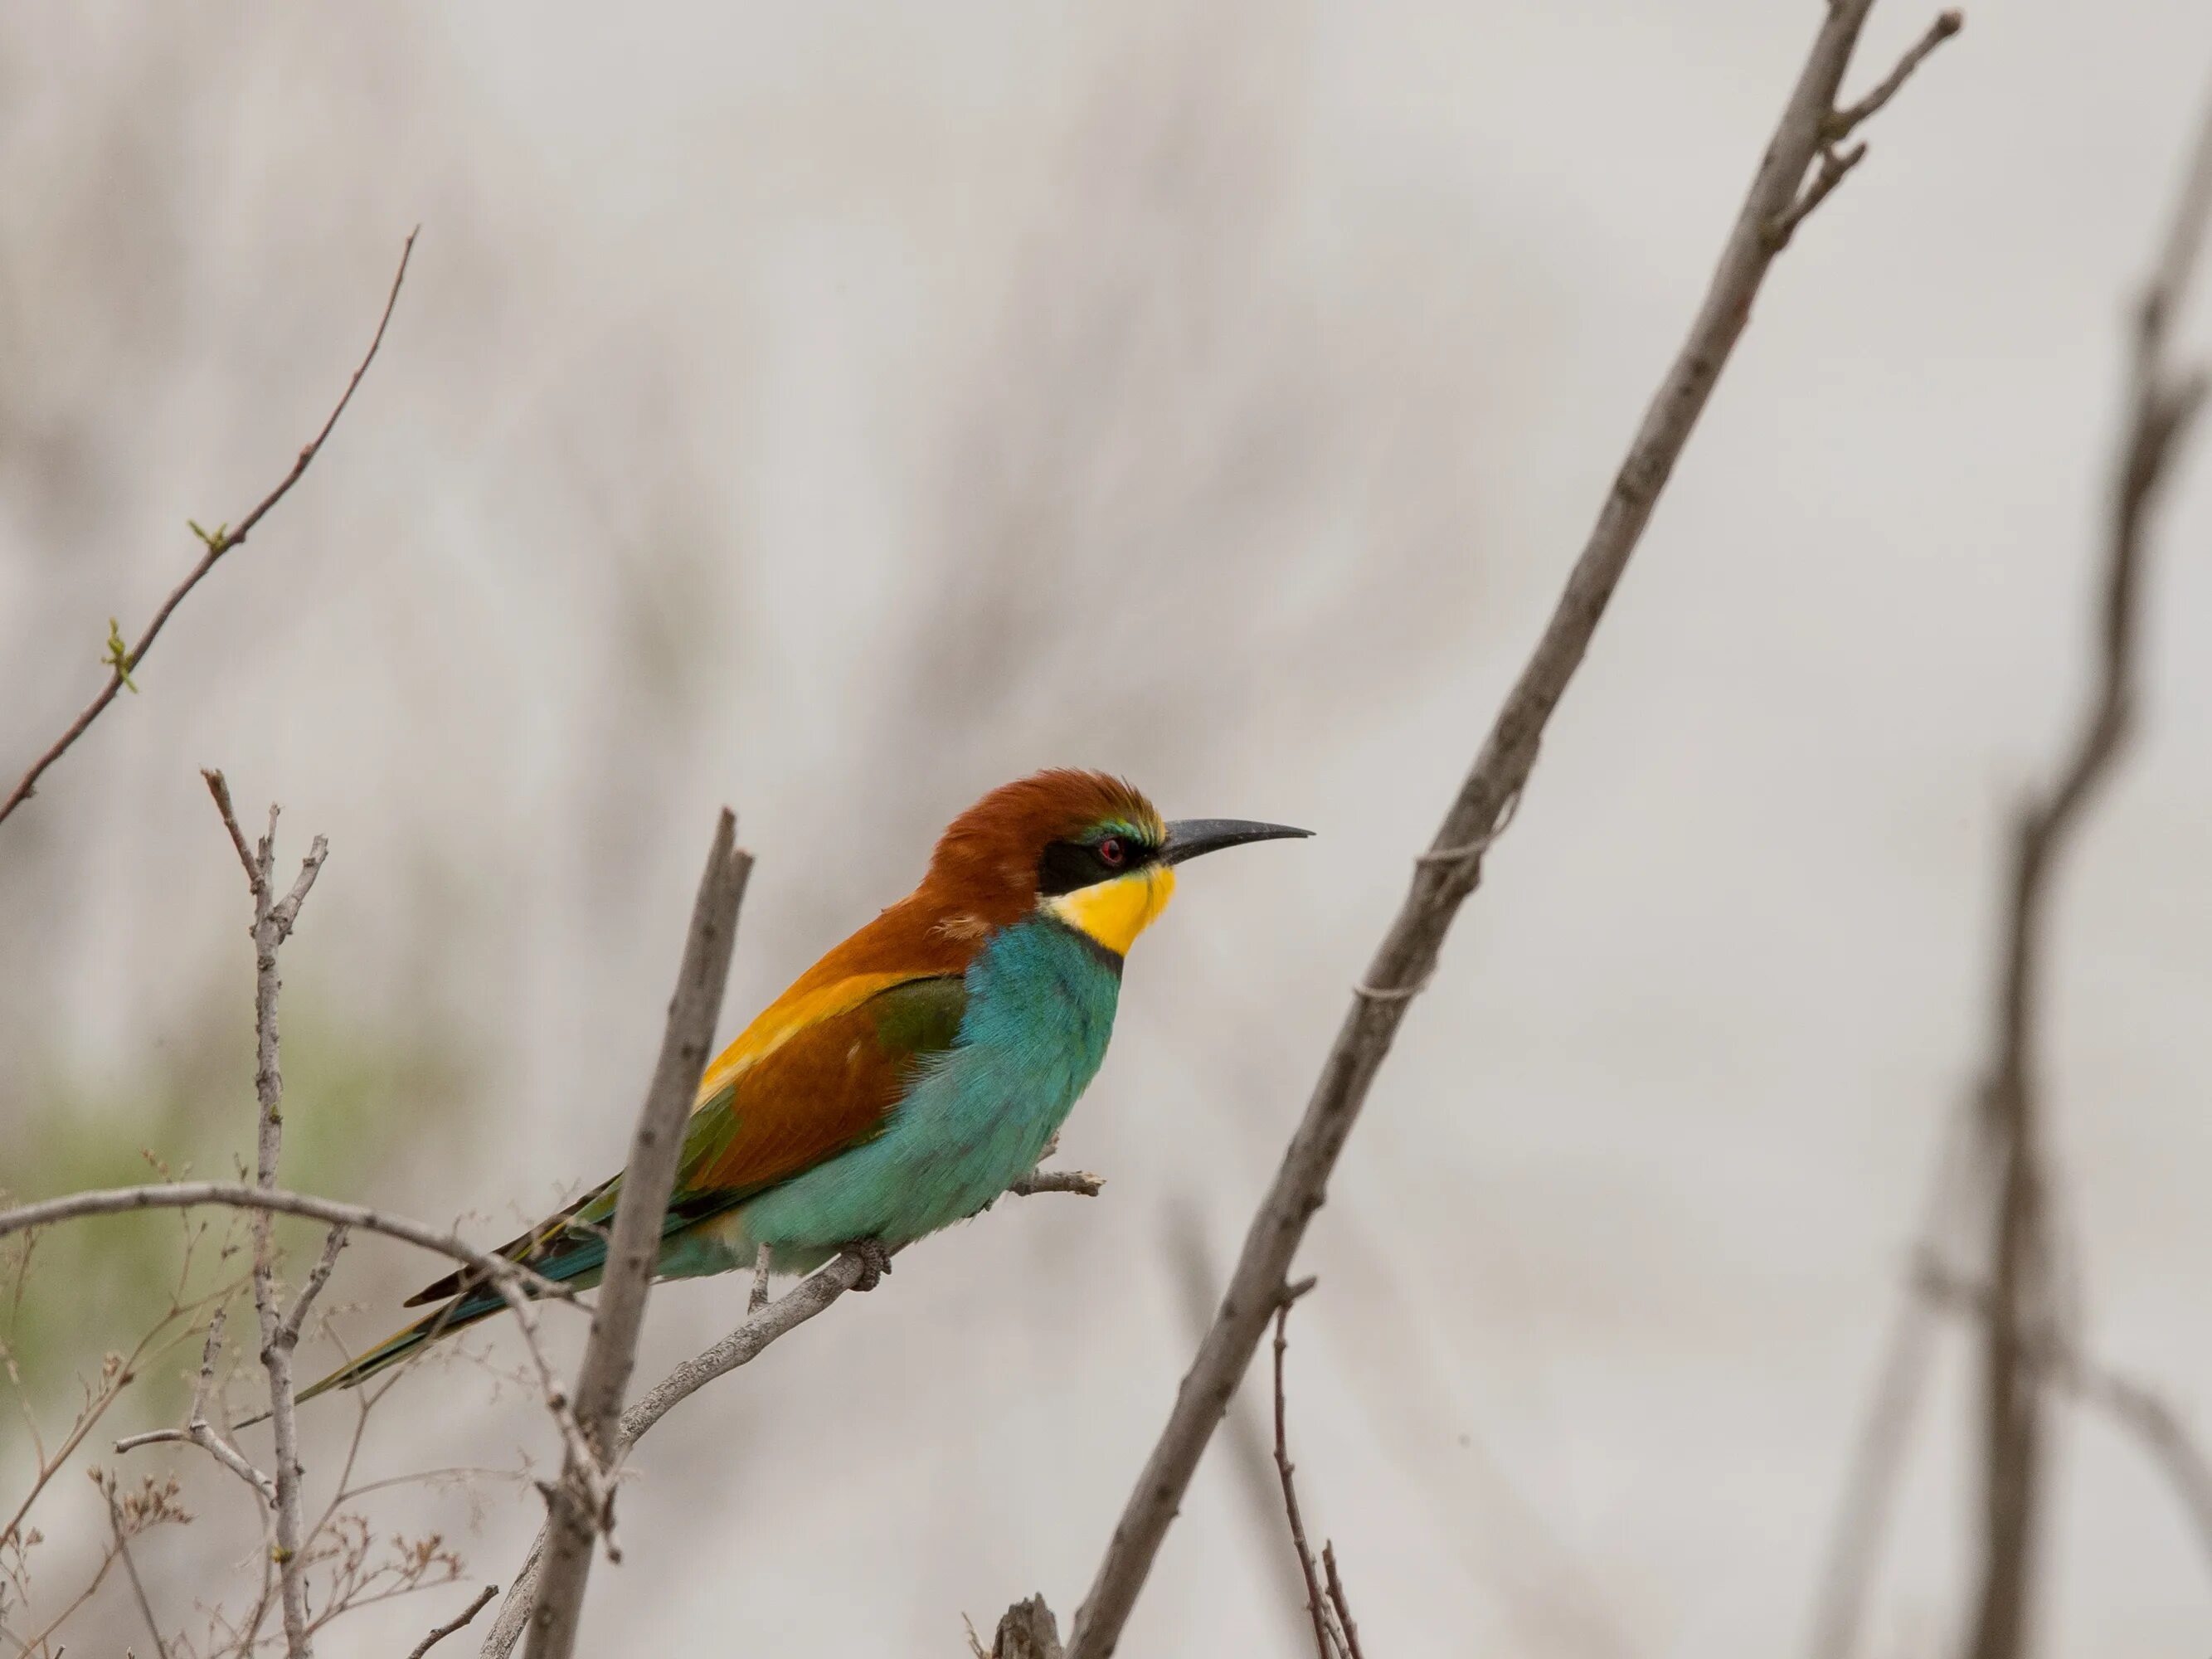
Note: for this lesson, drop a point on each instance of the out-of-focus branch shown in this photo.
(1450, 871)
(1878, 1460)
(2137, 1407)
(809, 1297)
(482, 1600)
(273, 919)
(581, 1505)
(2023, 1272)
(215, 543)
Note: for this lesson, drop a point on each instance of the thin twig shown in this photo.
(1307, 1570)
(1845, 122)
(582, 1504)
(1878, 1460)
(1835, 166)
(1341, 1603)
(333, 1242)
(482, 1600)
(215, 543)
(1409, 951)
(198, 1431)
(130, 1571)
(2024, 1270)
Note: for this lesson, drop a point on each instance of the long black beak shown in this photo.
(1188, 837)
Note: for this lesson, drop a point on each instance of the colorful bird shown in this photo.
(914, 1073)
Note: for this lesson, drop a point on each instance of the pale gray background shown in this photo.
(838, 409)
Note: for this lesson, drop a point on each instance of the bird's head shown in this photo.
(1085, 849)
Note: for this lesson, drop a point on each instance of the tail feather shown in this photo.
(453, 1317)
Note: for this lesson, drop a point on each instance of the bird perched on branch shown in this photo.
(913, 1074)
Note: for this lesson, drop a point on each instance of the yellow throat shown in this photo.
(1112, 912)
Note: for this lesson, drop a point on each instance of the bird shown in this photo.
(912, 1075)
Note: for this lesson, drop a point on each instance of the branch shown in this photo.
(809, 1297)
(1308, 1568)
(482, 1600)
(2023, 1275)
(198, 1431)
(2136, 1406)
(1450, 872)
(582, 1504)
(280, 1334)
(236, 1195)
(216, 543)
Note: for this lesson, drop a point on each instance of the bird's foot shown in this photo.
(875, 1261)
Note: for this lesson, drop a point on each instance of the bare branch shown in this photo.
(2136, 1406)
(1845, 122)
(216, 543)
(1835, 165)
(582, 1504)
(2022, 1248)
(1081, 1182)
(231, 1194)
(1307, 1569)
(484, 1598)
(333, 1242)
(1338, 1599)
(198, 1431)
(1443, 880)
(280, 1336)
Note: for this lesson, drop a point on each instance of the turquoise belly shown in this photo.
(1041, 1000)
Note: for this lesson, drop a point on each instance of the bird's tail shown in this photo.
(456, 1315)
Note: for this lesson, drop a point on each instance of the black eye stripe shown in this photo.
(1066, 866)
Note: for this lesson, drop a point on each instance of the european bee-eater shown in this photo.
(914, 1073)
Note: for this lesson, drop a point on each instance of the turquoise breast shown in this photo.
(1041, 1001)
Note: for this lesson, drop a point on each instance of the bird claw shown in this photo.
(875, 1261)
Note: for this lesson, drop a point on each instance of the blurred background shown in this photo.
(838, 411)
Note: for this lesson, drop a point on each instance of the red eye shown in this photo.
(1112, 854)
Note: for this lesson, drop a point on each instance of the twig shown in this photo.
(1341, 1603)
(1441, 884)
(231, 1194)
(333, 1242)
(2137, 1407)
(215, 543)
(280, 1336)
(1845, 122)
(130, 1571)
(1878, 1460)
(582, 1504)
(1081, 1182)
(809, 1297)
(2023, 1273)
(1307, 1569)
(198, 1431)
(482, 1600)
